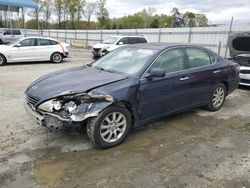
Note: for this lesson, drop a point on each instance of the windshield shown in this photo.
(125, 60)
(110, 40)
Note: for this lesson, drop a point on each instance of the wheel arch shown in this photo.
(6, 60)
(225, 83)
(128, 106)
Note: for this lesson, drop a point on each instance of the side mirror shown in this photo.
(4, 33)
(120, 43)
(18, 45)
(157, 73)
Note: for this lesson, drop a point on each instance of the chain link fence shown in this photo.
(214, 38)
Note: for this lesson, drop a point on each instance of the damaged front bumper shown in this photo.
(80, 114)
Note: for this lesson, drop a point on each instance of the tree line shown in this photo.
(79, 14)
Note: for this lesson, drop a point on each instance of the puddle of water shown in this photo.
(50, 174)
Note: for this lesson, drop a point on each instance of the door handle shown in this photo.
(216, 71)
(184, 78)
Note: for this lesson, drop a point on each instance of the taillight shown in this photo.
(62, 47)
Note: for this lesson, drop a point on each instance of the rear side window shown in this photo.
(141, 40)
(52, 42)
(43, 42)
(135, 40)
(16, 32)
(197, 57)
(170, 61)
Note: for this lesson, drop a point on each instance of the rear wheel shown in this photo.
(56, 57)
(217, 98)
(2, 60)
(110, 128)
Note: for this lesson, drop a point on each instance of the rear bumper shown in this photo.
(245, 76)
(66, 54)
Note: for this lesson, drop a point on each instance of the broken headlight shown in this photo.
(51, 105)
(70, 106)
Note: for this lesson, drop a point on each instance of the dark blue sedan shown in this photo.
(131, 86)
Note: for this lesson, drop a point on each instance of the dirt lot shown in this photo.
(193, 149)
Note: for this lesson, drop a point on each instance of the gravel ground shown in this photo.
(192, 149)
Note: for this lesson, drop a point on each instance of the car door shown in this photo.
(203, 72)
(159, 96)
(16, 34)
(45, 49)
(25, 50)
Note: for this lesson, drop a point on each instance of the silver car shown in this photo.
(240, 52)
(10, 35)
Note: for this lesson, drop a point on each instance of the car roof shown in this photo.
(39, 37)
(162, 46)
(128, 36)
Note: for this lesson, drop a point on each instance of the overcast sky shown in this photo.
(217, 11)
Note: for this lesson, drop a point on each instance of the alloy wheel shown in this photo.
(218, 97)
(113, 127)
(57, 58)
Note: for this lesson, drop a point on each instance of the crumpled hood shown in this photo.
(239, 44)
(101, 46)
(70, 81)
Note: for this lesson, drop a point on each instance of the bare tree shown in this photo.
(59, 11)
(89, 10)
(102, 13)
(47, 10)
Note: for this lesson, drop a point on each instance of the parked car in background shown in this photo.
(10, 35)
(131, 86)
(239, 47)
(30, 49)
(114, 42)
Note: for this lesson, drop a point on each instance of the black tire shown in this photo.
(217, 100)
(1, 42)
(56, 57)
(94, 127)
(2, 60)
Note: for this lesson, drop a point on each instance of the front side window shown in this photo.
(125, 60)
(8, 32)
(124, 40)
(197, 57)
(110, 40)
(170, 61)
(28, 42)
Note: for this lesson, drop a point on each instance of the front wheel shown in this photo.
(110, 128)
(218, 98)
(2, 60)
(56, 57)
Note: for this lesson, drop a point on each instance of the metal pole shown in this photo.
(87, 38)
(189, 36)
(229, 33)
(101, 35)
(219, 47)
(159, 38)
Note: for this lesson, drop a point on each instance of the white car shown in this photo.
(114, 42)
(31, 49)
